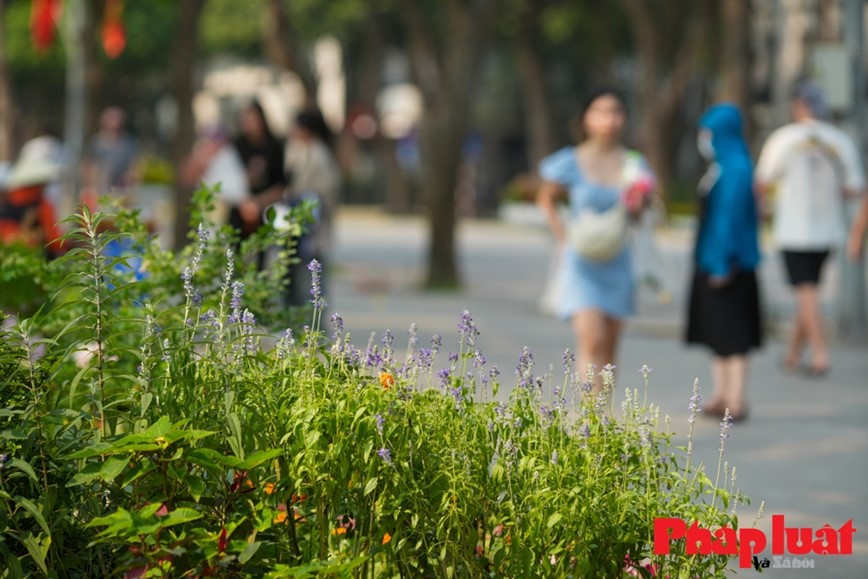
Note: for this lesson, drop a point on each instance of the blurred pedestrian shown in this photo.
(809, 166)
(215, 162)
(605, 184)
(27, 215)
(109, 158)
(315, 174)
(724, 308)
(262, 155)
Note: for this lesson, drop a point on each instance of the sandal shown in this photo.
(788, 367)
(714, 409)
(740, 414)
(812, 372)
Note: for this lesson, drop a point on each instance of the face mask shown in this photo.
(703, 143)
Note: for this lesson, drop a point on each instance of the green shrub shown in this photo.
(157, 436)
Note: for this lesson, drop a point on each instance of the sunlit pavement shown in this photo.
(803, 449)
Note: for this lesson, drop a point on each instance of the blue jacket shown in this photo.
(727, 238)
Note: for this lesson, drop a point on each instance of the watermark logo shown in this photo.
(747, 543)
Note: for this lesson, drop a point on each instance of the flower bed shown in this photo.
(155, 436)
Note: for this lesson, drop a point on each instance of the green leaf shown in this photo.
(370, 486)
(74, 384)
(179, 516)
(235, 429)
(35, 511)
(258, 458)
(248, 552)
(196, 486)
(112, 467)
(23, 467)
(37, 549)
(12, 562)
(553, 520)
(89, 473)
(147, 397)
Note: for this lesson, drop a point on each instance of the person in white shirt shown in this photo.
(215, 162)
(808, 167)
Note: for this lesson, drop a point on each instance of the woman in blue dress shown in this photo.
(595, 295)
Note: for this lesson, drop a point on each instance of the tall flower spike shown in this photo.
(724, 427)
(695, 400)
(315, 269)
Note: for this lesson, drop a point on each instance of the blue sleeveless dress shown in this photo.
(588, 285)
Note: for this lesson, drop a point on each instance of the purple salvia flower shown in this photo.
(373, 358)
(695, 400)
(546, 413)
(388, 348)
(237, 292)
(468, 330)
(494, 372)
(230, 267)
(353, 355)
(525, 363)
(203, 234)
(380, 423)
(585, 430)
(453, 357)
(414, 338)
(444, 375)
(568, 359)
(425, 358)
(644, 436)
(315, 269)
(457, 395)
(724, 427)
(479, 359)
(436, 342)
(338, 323)
(385, 454)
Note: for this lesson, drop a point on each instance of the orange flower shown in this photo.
(386, 380)
(339, 531)
(386, 538)
(280, 518)
(269, 488)
(249, 483)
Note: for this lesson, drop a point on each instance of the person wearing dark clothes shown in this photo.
(724, 308)
(262, 155)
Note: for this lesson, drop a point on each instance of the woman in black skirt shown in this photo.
(724, 310)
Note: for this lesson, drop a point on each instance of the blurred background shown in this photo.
(441, 108)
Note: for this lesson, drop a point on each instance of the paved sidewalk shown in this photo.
(804, 449)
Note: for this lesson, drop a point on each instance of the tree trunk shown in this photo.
(374, 41)
(76, 94)
(444, 69)
(440, 139)
(538, 122)
(736, 57)
(183, 63)
(7, 121)
(281, 50)
(661, 94)
(94, 74)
